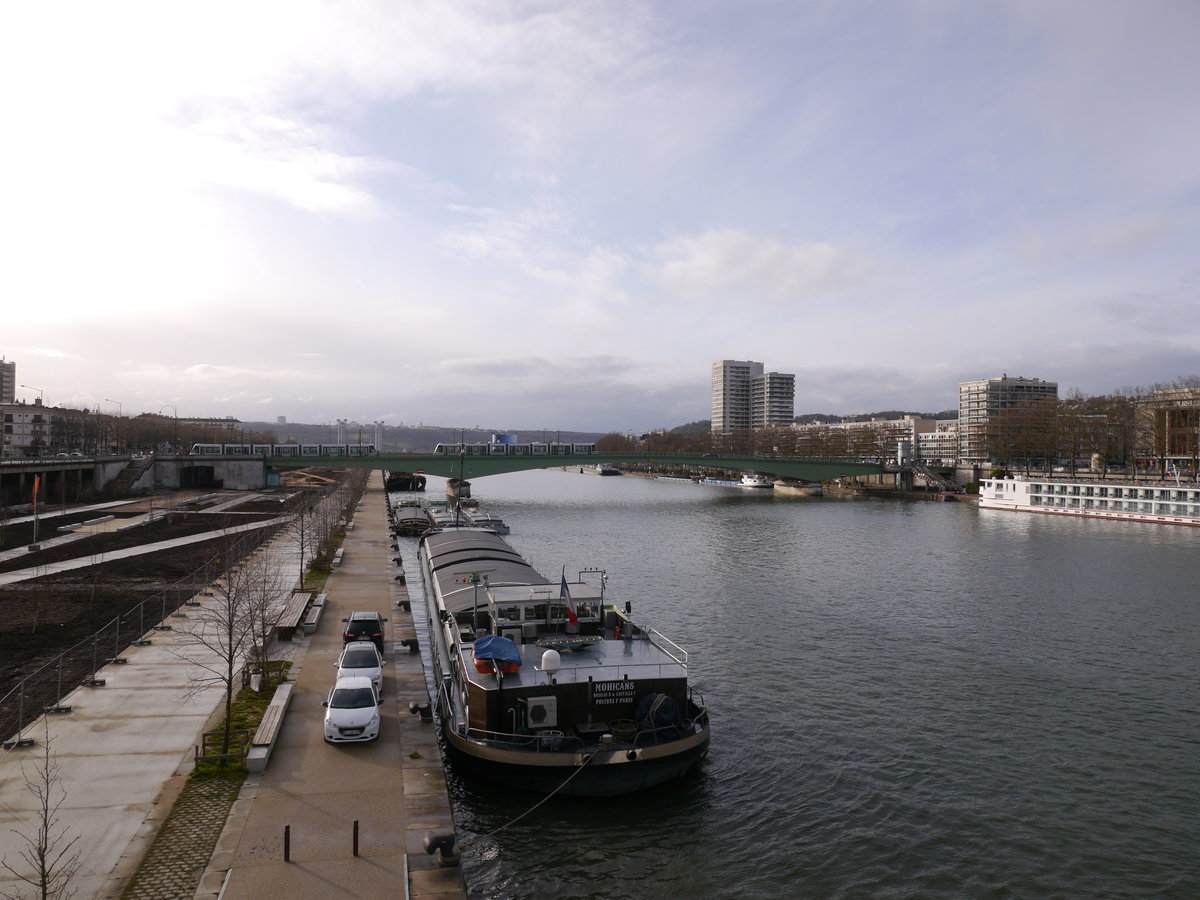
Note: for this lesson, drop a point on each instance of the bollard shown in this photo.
(287, 843)
(356, 837)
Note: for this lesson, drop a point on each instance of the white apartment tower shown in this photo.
(745, 398)
(982, 404)
(8, 381)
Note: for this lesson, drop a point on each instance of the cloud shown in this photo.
(726, 264)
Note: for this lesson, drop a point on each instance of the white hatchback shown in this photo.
(352, 711)
(361, 658)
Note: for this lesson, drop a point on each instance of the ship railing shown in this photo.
(667, 646)
(577, 673)
(547, 740)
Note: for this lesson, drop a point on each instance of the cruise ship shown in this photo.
(1167, 504)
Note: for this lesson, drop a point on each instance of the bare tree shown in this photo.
(50, 853)
(221, 633)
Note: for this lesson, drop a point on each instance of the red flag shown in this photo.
(37, 482)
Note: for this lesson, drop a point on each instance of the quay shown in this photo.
(394, 787)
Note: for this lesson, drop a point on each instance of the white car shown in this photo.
(361, 658)
(352, 711)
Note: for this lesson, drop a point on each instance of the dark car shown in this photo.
(364, 626)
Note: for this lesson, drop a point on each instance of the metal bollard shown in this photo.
(287, 843)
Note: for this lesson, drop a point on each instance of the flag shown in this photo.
(564, 593)
(37, 482)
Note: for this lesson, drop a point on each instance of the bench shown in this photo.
(337, 559)
(292, 616)
(314, 614)
(263, 741)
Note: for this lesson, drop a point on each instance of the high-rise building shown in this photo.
(745, 398)
(772, 400)
(8, 381)
(987, 407)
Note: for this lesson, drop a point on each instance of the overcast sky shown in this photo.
(559, 214)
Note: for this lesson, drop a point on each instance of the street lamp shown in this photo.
(119, 414)
(38, 389)
(175, 413)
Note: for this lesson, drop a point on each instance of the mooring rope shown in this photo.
(484, 837)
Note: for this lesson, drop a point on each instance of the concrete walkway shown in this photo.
(394, 787)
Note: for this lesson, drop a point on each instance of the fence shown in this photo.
(44, 690)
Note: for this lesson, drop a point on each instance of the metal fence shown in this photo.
(44, 690)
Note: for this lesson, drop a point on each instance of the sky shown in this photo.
(538, 215)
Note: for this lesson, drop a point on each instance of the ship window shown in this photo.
(511, 613)
(535, 613)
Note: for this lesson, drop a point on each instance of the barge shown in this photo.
(1133, 502)
(544, 685)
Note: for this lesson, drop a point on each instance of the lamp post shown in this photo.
(175, 414)
(119, 414)
(38, 389)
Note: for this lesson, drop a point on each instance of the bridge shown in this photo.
(469, 467)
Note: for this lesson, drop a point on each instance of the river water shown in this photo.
(908, 700)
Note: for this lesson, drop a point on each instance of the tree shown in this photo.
(50, 854)
(223, 632)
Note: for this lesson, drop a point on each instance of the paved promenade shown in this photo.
(395, 787)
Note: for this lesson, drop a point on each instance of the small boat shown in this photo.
(754, 480)
(403, 481)
(546, 686)
(481, 519)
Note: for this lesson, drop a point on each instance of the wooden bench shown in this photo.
(292, 616)
(268, 728)
(264, 738)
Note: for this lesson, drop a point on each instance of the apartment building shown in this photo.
(747, 398)
(987, 407)
(8, 381)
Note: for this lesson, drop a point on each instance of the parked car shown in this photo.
(352, 711)
(364, 626)
(361, 659)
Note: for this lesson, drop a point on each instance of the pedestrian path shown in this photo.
(393, 788)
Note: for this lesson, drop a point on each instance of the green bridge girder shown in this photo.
(472, 467)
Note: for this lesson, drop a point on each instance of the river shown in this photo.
(908, 700)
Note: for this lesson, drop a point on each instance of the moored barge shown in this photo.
(546, 686)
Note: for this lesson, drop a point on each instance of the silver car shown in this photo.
(361, 658)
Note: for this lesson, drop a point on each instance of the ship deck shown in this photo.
(605, 660)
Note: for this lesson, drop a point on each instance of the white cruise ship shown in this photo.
(1169, 504)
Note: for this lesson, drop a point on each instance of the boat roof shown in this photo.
(456, 553)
